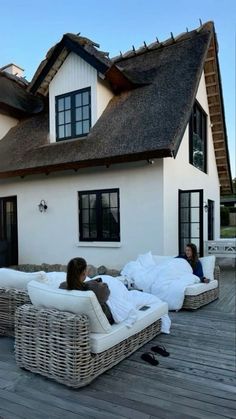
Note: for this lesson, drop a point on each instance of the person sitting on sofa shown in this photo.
(191, 256)
(76, 275)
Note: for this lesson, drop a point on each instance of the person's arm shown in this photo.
(199, 272)
(100, 289)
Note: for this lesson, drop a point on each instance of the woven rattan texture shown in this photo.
(192, 302)
(10, 299)
(56, 344)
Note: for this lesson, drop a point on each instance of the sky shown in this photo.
(28, 29)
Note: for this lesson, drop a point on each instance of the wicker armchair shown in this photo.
(56, 344)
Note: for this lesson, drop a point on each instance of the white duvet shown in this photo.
(124, 304)
(166, 280)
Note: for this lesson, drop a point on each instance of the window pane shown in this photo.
(114, 215)
(85, 201)
(85, 127)
(60, 104)
(114, 199)
(78, 101)
(67, 117)
(184, 214)
(105, 200)
(92, 200)
(67, 102)
(184, 229)
(78, 114)
(85, 216)
(195, 230)
(61, 132)
(85, 98)
(68, 130)
(93, 231)
(79, 128)
(195, 215)
(85, 231)
(86, 112)
(184, 199)
(61, 118)
(195, 199)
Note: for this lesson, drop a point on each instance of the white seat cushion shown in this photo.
(103, 341)
(208, 266)
(10, 278)
(199, 288)
(78, 302)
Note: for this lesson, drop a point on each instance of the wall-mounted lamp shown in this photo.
(42, 206)
(149, 161)
(205, 206)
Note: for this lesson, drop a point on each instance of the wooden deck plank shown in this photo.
(197, 380)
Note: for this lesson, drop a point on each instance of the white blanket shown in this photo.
(124, 304)
(166, 280)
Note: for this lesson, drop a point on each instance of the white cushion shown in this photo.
(10, 278)
(208, 266)
(78, 302)
(197, 289)
(103, 341)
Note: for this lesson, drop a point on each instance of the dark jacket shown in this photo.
(101, 291)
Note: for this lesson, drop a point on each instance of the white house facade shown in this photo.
(111, 171)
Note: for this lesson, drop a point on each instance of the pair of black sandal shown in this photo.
(150, 357)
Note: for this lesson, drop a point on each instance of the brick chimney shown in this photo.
(13, 69)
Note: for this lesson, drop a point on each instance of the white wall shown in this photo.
(75, 74)
(52, 237)
(6, 123)
(180, 174)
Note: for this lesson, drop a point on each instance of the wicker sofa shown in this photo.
(71, 348)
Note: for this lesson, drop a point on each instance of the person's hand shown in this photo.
(206, 280)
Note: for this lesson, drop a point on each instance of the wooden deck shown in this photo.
(197, 380)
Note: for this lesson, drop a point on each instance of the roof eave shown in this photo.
(107, 161)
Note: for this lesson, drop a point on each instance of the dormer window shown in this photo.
(198, 138)
(73, 114)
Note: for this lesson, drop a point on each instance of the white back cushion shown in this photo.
(9, 278)
(78, 302)
(208, 266)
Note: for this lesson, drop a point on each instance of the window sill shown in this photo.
(98, 244)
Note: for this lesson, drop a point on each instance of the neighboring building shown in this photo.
(126, 155)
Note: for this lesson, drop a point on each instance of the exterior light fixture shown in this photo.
(42, 206)
(205, 206)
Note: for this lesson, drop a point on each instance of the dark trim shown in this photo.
(71, 46)
(11, 238)
(107, 161)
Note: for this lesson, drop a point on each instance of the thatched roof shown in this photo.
(145, 120)
(14, 98)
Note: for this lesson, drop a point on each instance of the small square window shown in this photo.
(73, 114)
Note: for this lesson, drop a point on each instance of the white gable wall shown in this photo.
(81, 75)
(53, 236)
(180, 174)
(6, 123)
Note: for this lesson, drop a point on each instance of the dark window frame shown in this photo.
(98, 193)
(197, 109)
(72, 109)
(180, 237)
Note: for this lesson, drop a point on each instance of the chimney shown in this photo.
(13, 69)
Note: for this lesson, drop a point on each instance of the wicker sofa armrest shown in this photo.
(10, 300)
(217, 273)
